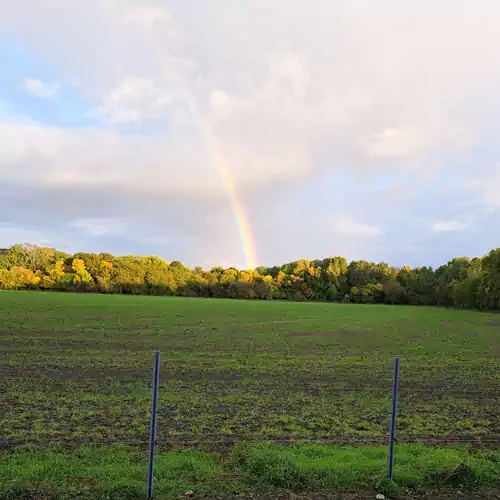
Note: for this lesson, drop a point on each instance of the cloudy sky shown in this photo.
(357, 128)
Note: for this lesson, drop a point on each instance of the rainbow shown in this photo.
(240, 218)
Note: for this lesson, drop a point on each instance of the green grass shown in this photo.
(76, 369)
(103, 473)
(264, 469)
(319, 467)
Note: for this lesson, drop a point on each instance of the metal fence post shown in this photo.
(152, 426)
(395, 384)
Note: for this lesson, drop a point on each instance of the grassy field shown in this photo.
(258, 471)
(76, 369)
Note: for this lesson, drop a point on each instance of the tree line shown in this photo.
(462, 282)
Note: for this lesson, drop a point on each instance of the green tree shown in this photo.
(461, 282)
(489, 287)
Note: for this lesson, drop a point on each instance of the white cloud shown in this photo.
(49, 157)
(447, 226)
(290, 71)
(133, 100)
(145, 17)
(347, 225)
(397, 144)
(39, 88)
(283, 96)
(277, 107)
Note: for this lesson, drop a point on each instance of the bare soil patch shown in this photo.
(67, 373)
(495, 350)
(312, 334)
(323, 334)
(352, 334)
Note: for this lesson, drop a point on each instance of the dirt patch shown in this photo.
(419, 336)
(65, 373)
(62, 342)
(99, 318)
(446, 322)
(495, 351)
(211, 376)
(312, 334)
(323, 334)
(492, 323)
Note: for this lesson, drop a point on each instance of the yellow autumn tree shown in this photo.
(82, 276)
(55, 274)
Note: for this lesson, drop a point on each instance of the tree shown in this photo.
(54, 276)
(332, 294)
(461, 282)
(229, 276)
(241, 290)
(394, 292)
(158, 276)
(489, 288)
(420, 285)
(82, 278)
(448, 276)
(18, 278)
(129, 275)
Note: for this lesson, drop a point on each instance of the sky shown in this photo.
(252, 132)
